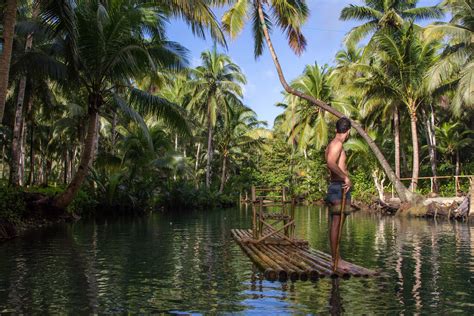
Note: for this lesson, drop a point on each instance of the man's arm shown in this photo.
(334, 152)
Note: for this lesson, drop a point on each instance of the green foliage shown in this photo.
(83, 204)
(363, 187)
(183, 195)
(12, 204)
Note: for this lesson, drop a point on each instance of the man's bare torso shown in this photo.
(335, 146)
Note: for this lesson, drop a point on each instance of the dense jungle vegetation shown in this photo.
(101, 112)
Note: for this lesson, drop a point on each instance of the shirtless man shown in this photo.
(336, 162)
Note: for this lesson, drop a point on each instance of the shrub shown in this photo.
(12, 204)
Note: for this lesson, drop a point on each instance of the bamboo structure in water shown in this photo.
(272, 246)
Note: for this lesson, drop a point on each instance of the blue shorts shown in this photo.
(334, 198)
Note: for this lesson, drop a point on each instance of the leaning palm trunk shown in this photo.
(65, 198)
(9, 20)
(402, 191)
(416, 155)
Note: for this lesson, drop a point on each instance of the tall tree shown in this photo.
(9, 21)
(379, 14)
(215, 82)
(453, 137)
(304, 125)
(240, 134)
(455, 70)
(19, 125)
(290, 16)
(400, 74)
(111, 43)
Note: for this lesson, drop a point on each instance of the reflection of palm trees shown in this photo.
(417, 273)
(435, 260)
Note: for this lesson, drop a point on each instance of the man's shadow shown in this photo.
(335, 300)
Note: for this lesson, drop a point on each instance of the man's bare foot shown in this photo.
(343, 265)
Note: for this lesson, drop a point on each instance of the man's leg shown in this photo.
(335, 219)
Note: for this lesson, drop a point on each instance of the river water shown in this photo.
(187, 263)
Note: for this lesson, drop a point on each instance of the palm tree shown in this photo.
(360, 155)
(455, 70)
(303, 124)
(19, 125)
(399, 74)
(453, 137)
(239, 134)
(290, 16)
(216, 82)
(381, 14)
(110, 44)
(9, 20)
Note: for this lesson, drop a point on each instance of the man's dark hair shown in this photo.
(343, 125)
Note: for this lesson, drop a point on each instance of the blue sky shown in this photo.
(324, 33)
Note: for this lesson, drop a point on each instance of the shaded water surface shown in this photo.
(188, 263)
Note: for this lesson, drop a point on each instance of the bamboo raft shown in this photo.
(282, 260)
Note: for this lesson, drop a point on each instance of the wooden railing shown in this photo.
(432, 181)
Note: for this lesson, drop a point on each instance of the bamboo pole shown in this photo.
(293, 272)
(282, 274)
(303, 269)
(339, 231)
(269, 273)
(363, 271)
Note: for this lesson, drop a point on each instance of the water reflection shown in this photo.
(188, 263)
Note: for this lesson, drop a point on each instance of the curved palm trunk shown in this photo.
(402, 191)
(224, 166)
(65, 198)
(416, 155)
(9, 21)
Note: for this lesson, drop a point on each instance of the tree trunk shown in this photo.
(396, 132)
(209, 149)
(22, 162)
(457, 172)
(379, 184)
(65, 198)
(16, 141)
(404, 159)
(224, 163)
(431, 140)
(9, 20)
(66, 165)
(40, 169)
(416, 154)
(3, 159)
(196, 165)
(47, 172)
(402, 191)
(18, 156)
(31, 176)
